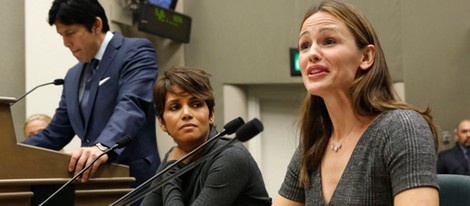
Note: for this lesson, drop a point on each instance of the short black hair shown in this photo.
(82, 12)
(193, 81)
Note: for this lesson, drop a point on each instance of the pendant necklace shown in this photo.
(336, 147)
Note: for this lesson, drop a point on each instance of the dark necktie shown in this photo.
(89, 74)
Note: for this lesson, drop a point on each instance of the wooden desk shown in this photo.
(30, 174)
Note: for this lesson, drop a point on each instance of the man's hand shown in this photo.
(84, 156)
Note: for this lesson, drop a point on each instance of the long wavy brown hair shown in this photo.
(372, 91)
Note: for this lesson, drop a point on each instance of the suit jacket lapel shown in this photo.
(460, 157)
(72, 92)
(108, 56)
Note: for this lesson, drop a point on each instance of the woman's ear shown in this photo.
(368, 55)
(162, 124)
(211, 118)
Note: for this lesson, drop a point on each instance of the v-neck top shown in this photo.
(395, 153)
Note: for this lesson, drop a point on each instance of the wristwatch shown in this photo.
(101, 147)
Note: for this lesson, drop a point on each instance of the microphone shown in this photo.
(229, 129)
(244, 133)
(249, 130)
(122, 142)
(55, 82)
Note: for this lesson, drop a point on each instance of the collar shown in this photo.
(463, 149)
(107, 39)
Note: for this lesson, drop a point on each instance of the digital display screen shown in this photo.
(167, 4)
(164, 22)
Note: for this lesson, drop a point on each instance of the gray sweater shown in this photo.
(231, 177)
(395, 153)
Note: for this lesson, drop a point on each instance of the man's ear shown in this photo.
(97, 26)
(368, 55)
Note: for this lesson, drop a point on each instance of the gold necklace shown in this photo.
(335, 147)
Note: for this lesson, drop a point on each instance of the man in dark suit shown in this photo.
(457, 159)
(106, 96)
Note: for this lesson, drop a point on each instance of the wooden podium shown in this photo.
(29, 174)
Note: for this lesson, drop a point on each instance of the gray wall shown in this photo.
(436, 55)
(12, 55)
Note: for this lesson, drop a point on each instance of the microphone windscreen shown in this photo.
(233, 125)
(124, 141)
(249, 130)
(58, 81)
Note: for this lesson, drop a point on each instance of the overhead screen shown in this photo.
(164, 22)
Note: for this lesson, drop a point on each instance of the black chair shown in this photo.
(454, 190)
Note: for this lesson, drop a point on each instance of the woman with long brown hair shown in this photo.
(359, 143)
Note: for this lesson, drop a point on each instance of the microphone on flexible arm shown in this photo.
(122, 142)
(228, 129)
(55, 82)
(243, 134)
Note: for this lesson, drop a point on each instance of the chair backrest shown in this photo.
(454, 189)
